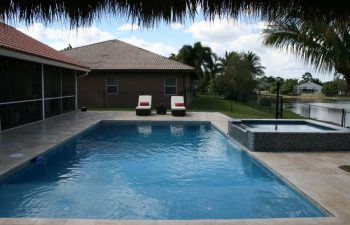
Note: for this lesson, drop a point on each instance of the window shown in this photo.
(112, 86)
(170, 86)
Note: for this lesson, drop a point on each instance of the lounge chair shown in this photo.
(144, 105)
(178, 106)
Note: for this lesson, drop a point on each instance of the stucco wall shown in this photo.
(92, 88)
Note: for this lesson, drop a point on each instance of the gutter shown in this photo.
(40, 59)
(83, 75)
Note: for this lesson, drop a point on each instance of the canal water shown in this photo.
(325, 110)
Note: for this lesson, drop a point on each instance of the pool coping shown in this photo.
(284, 179)
(266, 140)
(11, 171)
(335, 129)
(319, 220)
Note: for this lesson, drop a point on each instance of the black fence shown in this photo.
(266, 103)
(323, 113)
(316, 111)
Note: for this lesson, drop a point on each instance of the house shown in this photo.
(36, 81)
(308, 87)
(120, 72)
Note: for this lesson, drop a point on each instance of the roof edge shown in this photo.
(143, 70)
(44, 60)
(132, 45)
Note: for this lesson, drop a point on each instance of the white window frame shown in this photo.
(117, 81)
(170, 86)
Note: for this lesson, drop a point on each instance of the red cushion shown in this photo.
(180, 104)
(144, 103)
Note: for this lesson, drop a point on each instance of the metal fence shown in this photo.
(337, 116)
(266, 103)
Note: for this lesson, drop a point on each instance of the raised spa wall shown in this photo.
(270, 141)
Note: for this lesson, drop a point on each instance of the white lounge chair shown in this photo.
(178, 106)
(144, 105)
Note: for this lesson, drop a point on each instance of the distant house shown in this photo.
(36, 81)
(308, 87)
(120, 72)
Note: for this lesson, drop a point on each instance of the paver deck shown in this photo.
(315, 174)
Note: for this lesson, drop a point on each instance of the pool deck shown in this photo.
(316, 174)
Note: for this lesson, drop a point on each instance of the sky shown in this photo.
(220, 35)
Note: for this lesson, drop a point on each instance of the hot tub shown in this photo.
(289, 135)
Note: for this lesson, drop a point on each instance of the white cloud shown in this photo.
(156, 47)
(60, 38)
(221, 35)
(177, 26)
(234, 35)
(128, 26)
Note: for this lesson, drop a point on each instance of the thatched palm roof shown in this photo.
(149, 12)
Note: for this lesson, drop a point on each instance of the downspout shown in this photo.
(184, 88)
(42, 91)
(76, 87)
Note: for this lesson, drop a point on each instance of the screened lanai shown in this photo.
(36, 81)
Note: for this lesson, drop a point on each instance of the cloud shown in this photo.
(156, 47)
(234, 35)
(220, 34)
(128, 26)
(177, 26)
(60, 38)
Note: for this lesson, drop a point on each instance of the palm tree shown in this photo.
(250, 59)
(323, 43)
(224, 61)
(254, 64)
(238, 73)
(201, 58)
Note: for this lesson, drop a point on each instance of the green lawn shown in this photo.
(210, 103)
(207, 103)
(345, 167)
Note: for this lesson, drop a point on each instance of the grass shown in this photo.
(345, 168)
(207, 103)
(214, 103)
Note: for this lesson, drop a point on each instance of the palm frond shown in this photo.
(318, 41)
(147, 13)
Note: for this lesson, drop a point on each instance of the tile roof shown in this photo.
(15, 40)
(118, 55)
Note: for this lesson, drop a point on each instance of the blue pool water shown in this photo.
(150, 171)
(285, 126)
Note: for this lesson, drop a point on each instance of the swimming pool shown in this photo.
(285, 125)
(150, 171)
(268, 135)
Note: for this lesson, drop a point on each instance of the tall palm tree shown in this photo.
(224, 61)
(249, 58)
(323, 43)
(238, 73)
(254, 63)
(201, 58)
